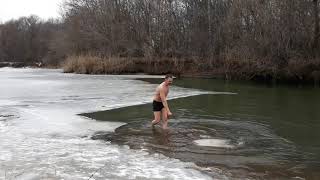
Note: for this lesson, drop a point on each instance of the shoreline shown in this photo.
(308, 74)
(299, 72)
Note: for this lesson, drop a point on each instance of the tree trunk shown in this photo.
(209, 28)
(316, 25)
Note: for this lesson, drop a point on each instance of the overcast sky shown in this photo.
(13, 9)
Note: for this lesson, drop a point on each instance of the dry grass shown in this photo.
(261, 70)
(303, 70)
(98, 65)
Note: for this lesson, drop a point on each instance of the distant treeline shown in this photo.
(238, 36)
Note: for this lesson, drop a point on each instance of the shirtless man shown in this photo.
(160, 105)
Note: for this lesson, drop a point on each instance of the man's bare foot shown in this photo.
(153, 123)
(165, 127)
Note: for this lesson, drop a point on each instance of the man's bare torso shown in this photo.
(163, 88)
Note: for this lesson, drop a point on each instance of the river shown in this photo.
(68, 126)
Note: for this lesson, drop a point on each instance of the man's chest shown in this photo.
(166, 91)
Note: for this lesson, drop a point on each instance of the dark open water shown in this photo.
(261, 132)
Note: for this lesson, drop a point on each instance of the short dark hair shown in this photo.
(168, 76)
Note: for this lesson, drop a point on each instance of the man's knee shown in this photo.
(164, 117)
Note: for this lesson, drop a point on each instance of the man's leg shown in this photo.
(164, 118)
(156, 117)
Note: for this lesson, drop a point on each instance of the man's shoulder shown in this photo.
(161, 87)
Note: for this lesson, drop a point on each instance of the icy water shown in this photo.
(260, 132)
(68, 126)
(42, 137)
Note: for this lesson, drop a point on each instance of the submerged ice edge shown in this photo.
(125, 105)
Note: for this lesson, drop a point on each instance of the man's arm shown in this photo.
(164, 101)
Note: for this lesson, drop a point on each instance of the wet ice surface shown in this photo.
(42, 137)
(214, 143)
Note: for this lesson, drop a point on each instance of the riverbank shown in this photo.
(21, 64)
(299, 71)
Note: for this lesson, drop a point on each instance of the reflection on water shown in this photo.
(260, 133)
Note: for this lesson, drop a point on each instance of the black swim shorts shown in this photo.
(157, 106)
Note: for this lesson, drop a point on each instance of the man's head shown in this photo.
(168, 79)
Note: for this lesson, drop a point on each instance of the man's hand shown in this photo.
(169, 113)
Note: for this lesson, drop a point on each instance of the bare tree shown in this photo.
(241, 30)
